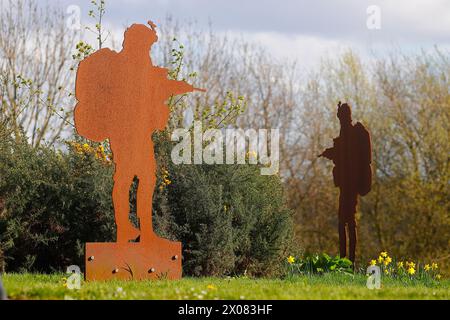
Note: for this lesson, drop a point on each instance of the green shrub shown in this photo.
(230, 219)
(53, 202)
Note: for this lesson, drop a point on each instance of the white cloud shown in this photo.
(306, 50)
(429, 16)
(299, 29)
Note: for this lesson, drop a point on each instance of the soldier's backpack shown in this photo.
(94, 86)
(364, 145)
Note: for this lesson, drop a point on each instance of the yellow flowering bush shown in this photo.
(85, 149)
(165, 181)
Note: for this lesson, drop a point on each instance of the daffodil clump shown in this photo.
(317, 264)
(86, 149)
(409, 269)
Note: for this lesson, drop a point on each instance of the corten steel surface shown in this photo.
(133, 261)
(352, 156)
(122, 97)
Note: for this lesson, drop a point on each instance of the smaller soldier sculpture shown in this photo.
(352, 174)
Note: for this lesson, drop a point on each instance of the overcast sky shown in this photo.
(300, 29)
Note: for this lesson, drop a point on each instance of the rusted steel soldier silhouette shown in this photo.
(121, 96)
(352, 173)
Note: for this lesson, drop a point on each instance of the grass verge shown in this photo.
(328, 286)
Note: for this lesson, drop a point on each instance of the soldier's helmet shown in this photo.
(140, 36)
(344, 112)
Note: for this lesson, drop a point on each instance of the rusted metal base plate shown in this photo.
(159, 259)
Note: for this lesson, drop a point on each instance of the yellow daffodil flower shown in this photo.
(384, 254)
(411, 270)
(290, 259)
(387, 260)
(434, 266)
(373, 262)
(427, 267)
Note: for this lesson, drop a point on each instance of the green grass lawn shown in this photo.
(329, 286)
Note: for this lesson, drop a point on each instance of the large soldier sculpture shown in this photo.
(122, 97)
